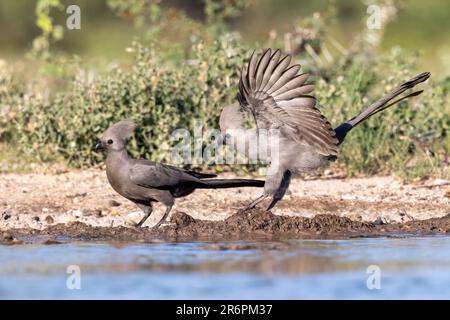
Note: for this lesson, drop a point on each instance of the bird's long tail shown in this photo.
(381, 104)
(230, 183)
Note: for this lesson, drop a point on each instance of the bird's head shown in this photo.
(114, 138)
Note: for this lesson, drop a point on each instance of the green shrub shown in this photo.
(59, 114)
(159, 97)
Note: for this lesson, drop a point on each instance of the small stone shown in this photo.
(378, 221)
(81, 194)
(36, 218)
(98, 213)
(49, 219)
(113, 203)
(133, 217)
(87, 213)
(51, 241)
(447, 193)
(6, 216)
(8, 237)
(77, 213)
(181, 219)
(61, 170)
(114, 213)
(349, 197)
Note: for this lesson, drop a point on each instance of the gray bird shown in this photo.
(145, 182)
(277, 97)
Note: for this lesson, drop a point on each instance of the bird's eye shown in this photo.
(109, 141)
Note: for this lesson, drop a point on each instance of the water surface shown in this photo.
(301, 269)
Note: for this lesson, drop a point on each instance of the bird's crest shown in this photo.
(123, 129)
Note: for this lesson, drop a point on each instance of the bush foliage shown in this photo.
(63, 121)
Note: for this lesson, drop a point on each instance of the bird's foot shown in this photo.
(162, 224)
(133, 225)
(135, 228)
(138, 225)
(165, 225)
(253, 205)
(247, 208)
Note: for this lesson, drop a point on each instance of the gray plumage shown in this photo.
(279, 98)
(145, 182)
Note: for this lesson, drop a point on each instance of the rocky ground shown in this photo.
(81, 203)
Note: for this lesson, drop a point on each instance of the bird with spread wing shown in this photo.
(280, 101)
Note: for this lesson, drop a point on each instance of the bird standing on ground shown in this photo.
(272, 92)
(145, 182)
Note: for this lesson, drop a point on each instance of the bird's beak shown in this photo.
(99, 146)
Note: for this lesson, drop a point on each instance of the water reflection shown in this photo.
(288, 269)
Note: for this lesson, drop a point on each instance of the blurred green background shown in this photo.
(419, 25)
(169, 63)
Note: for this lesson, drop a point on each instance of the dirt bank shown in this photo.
(81, 205)
(244, 225)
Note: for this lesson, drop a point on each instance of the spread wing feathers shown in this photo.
(278, 97)
(156, 175)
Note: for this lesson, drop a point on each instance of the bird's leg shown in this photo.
(273, 203)
(164, 217)
(147, 212)
(255, 203)
(279, 194)
(280, 182)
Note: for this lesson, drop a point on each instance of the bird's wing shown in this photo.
(159, 176)
(278, 97)
(200, 175)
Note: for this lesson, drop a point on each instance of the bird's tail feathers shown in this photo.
(230, 183)
(381, 104)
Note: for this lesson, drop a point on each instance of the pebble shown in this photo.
(49, 219)
(8, 237)
(133, 217)
(382, 221)
(6, 216)
(114, 213)
(378, 221)
(87, 213)
(113, 203)
(81, 194)
(349, 197)
(98, 213)
(51, 241)
(447, 193)
(77, 213)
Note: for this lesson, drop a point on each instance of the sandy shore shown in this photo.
(37, 201)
